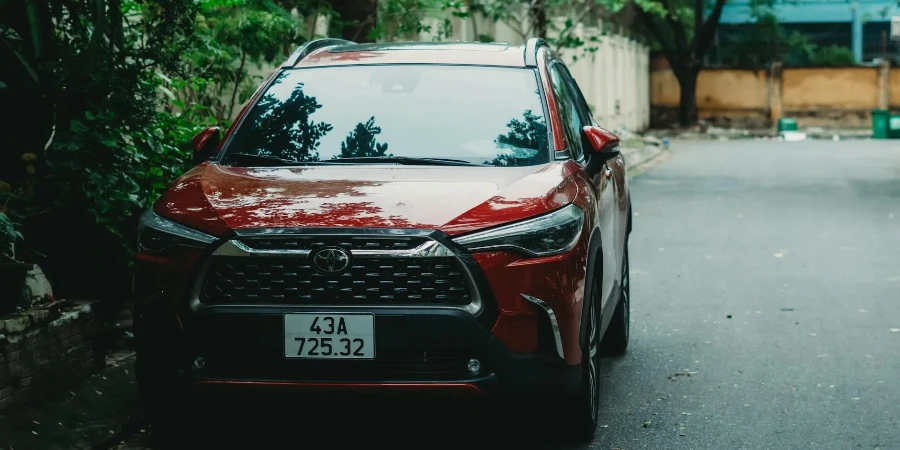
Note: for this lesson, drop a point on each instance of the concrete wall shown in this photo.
(830, 97)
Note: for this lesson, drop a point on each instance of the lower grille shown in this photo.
(368, 281)
(396, 366)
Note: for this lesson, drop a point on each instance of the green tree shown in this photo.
(96, 149)
(684, 31)
(361, 141)
(231, 37)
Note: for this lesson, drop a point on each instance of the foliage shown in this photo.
(8, 235)
(98, 150)
(231, 37)
(766, 41)
(832, 56)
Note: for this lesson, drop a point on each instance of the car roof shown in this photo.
(460, 53)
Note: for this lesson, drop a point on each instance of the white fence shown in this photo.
(615, 79)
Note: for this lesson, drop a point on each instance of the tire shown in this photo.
(615, 340)
(581, 409)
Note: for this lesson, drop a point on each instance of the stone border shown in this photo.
(45, 349)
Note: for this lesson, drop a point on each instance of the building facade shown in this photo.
(862, 26)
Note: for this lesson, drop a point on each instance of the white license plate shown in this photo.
(329, 336)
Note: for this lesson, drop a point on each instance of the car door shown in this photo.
(615, 170)
(573, 120)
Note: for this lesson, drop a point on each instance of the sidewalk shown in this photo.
(90, 416)
(639, 159)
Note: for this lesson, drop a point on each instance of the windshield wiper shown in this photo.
(406, 160)
(269, 160)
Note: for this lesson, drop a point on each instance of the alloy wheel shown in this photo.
(593, 348)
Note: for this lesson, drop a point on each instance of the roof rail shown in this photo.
(311, 46)
(531, 49)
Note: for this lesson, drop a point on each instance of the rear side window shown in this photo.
(483, 115)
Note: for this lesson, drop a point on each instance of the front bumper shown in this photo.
(416, 350)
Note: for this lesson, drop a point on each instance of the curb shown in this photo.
(648, 163)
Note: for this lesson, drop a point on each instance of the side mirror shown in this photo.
(205, 144)
(604, 143)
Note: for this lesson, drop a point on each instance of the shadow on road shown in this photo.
(289, 422)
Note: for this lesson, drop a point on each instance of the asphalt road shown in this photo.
(766, 314)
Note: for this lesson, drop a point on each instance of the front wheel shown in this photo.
(581, 410)
(615, 340)
(164, 402)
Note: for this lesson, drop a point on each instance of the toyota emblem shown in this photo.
(331, 259)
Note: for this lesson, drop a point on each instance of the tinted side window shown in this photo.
(568, 111)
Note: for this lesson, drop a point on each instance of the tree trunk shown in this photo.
(539, 18)
(357, 18)
(687, 107)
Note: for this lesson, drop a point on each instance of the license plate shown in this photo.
(329, 336)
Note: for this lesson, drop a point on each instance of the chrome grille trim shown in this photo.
(429, 249)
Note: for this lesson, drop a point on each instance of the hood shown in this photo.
(455, 199)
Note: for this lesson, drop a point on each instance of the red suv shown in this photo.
(441, 217)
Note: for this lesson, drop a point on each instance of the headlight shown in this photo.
(156, 234)
(550, 234)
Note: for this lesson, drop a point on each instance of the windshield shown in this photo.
(480, 115)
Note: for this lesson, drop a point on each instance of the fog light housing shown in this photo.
(474, 366)
(199, 363)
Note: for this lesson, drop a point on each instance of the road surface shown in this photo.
(766, 314)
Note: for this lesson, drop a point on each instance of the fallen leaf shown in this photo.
(646, 424)
(813, 334)
(35, 422)
(862, 310)
(778, 255)
(637, 214)
(728, 316)
(98, 392)
(662, 249)
(895, 330)
(855, 398)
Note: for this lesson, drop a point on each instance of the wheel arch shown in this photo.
(594, 270)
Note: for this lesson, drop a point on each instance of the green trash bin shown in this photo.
(787, 124)
(894, 127)
(880, 123)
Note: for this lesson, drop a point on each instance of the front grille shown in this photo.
(368, 281)
(312, 242)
